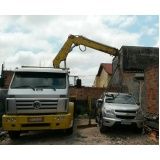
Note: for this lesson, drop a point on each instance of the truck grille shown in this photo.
(36, 106)
(30, 103)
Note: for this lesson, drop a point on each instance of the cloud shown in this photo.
(35, 40)
(25, 58)
(120, 21)
(156, 44)
(149, 31)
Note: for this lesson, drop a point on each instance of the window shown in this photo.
(122, 99)
(39, 80)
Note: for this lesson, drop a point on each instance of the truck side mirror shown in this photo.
(78, 83)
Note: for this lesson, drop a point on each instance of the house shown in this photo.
(132, 60)
(137, 69)
(103, 76)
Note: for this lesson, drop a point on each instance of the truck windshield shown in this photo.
(39, 80)
(121, 99)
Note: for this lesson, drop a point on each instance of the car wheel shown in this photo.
(14, 134)
(102, 128)
(139, 130)
(96, 119)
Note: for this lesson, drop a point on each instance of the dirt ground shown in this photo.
(83, 135)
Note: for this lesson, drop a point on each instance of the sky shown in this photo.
(35, 40)
(26, 40)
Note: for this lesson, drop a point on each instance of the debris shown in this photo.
(153, 136)
(3, 133)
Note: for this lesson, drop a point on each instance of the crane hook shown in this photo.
(83, 50)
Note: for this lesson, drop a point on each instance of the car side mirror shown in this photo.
(99, 102)
(138, 103)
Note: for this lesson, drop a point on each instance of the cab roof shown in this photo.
(41, 69)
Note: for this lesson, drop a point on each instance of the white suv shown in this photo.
(118, 108)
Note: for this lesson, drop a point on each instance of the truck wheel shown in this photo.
(139, 130)
(69, 131)
(14, 134)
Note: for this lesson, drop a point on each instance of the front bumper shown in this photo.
(109, 122)
(37, 122)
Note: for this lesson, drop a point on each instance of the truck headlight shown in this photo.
(63, 103)
(10, 119)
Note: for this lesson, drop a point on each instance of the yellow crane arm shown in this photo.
(73, 41)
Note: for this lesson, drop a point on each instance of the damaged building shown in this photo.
(136, 70)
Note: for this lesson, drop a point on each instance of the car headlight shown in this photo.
(108, 112)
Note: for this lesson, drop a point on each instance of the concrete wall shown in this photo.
(124, 82)
(137, 58)
(96, 81)
(102, 80)
(133, 59)
(132, 84)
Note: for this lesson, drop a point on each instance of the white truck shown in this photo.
(38, 99)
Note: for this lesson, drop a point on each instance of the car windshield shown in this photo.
(39, 80)
(121, 99)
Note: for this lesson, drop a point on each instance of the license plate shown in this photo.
(35, 119)
(125, 122)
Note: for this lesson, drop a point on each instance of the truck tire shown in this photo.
(14, 134)
(69, 131)
(139, 130)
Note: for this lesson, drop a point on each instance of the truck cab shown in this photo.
(38, 99)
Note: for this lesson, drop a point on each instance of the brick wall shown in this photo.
(151, 88)
(84, 92)
(7, 76)
(81, 96)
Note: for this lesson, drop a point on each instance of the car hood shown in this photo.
(117, 106)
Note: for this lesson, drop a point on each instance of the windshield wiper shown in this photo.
(24, 86)
(45, 86)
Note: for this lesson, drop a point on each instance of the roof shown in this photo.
(106, 66)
